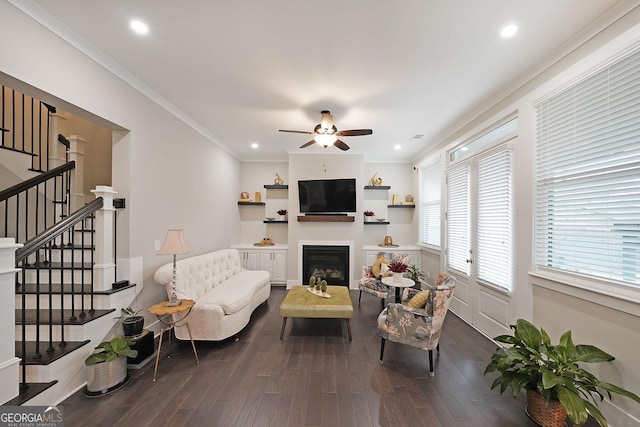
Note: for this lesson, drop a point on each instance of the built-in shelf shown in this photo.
(402, 206)
(377, 187)
(275, 222)
(377, 222)
(276, 186)
(326, 218)
(250, 203)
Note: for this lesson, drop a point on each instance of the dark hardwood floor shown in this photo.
(315, 377)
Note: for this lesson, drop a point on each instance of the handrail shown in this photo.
(56, 230)
(64, 141)
(32, 182)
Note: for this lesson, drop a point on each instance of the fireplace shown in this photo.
(330, 263)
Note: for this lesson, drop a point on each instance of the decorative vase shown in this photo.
(133, 326)
(397, 277)
(283, 217)
(550, 414)
(367, 218)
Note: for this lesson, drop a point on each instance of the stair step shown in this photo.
(57, 289)
(46, 357)
(30, 316)
(31, 390)
(59, 266)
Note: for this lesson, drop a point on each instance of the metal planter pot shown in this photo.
(107, 376)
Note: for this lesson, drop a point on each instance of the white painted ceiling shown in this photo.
(242, 69)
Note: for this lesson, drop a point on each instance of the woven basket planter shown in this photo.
(550, 414)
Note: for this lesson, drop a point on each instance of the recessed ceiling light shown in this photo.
(139, 27)
(398, 147)
(509, 31)
(254, 145)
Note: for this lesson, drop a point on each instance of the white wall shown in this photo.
(613, 324)
(171, 175)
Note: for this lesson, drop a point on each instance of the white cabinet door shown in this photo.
(273, 261)
(249, 259)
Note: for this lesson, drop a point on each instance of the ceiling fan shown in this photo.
(325, 133)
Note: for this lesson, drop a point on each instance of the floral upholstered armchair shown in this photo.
(372, 285)
(418, 320)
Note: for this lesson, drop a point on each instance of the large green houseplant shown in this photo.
(532, 363)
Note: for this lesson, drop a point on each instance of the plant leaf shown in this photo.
(529, 334)
(574, 405)
(596, 414)
(619, 390)
(590, 354)
(546, 340)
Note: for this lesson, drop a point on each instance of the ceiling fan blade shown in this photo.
(296, 131)
(354, 132)
(308, 144)
(341, 145)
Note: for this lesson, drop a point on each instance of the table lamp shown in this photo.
(174, 244)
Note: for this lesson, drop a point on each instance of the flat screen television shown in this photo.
(327, 196)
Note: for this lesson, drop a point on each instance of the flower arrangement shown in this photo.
(369, 213)
(282, 212)
(398, 265)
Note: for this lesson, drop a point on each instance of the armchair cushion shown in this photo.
(371, 285)
(419, 300)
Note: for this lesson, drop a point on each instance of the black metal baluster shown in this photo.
(62, 283)
(73, 317)
(23, 344)
(82, 260)
(91, 220)
(49, 254)
(37, 354)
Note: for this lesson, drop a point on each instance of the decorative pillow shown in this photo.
(419, 300)
(376, 268)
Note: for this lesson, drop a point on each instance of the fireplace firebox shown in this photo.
(330, 263)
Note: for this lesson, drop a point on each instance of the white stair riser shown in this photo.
(71, 332)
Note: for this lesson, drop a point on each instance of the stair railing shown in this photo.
(57, 261)
(26, 127)
(35, 204)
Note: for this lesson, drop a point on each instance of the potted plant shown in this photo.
(283, 214)
(414, 273)
(132, 323)
(557, 387)
(107, 367)
(368, 215)
(398, 266)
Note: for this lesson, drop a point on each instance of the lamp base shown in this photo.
(173, 303)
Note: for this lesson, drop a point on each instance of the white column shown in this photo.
(77, 153)
(9, 363)
(56, 149)
(104, 267)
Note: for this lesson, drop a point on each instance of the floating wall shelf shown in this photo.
(276, 186)
(377, 187)
(402, 206)
(250, 203)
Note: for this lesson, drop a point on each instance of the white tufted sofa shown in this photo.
(225, 293)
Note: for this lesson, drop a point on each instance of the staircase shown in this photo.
(64, 274)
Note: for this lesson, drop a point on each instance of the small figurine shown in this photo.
(408, 199)
(278, 180)
(244, 197)
(376, 180)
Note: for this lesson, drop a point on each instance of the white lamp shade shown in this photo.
(174, 243)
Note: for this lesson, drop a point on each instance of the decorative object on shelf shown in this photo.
(174, 244)
(258, 197)
(278, 180)
(408, 200)
(394, 200)
(387, 243)
(551, 374)
(283, 214)
(381, 219)
(368, 215)
(264, 242)
(376, 181)
(270, 219)
(244, 197)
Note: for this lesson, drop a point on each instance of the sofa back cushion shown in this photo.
(197, 275)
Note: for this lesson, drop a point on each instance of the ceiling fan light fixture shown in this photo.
(325, 139)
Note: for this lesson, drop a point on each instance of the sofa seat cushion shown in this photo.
(237, 291)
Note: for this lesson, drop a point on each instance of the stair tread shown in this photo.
(60, 266)
(56, 288)
(46, 357)
(29, 392)
(30, 316)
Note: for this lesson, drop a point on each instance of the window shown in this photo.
(430, 190)
(588, 176)
(458, 226)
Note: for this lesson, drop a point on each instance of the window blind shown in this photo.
(495, 220)
(458, 226)
(430, 190)
(588, 176)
